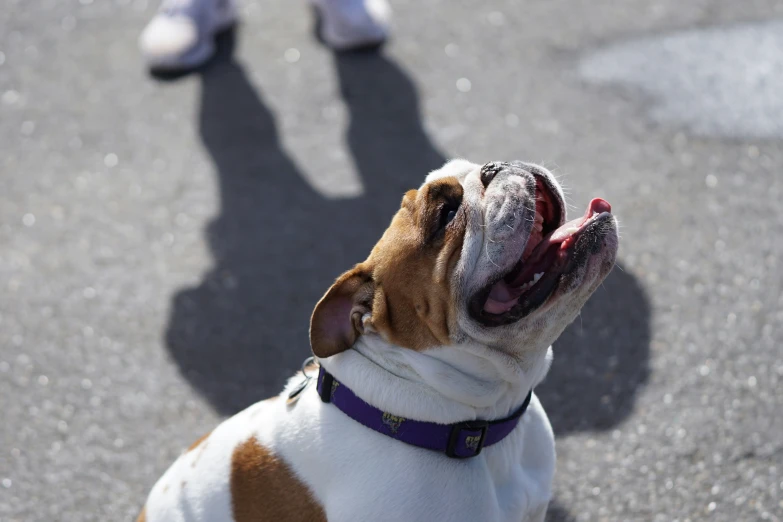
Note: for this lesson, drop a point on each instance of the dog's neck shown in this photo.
(444, 385)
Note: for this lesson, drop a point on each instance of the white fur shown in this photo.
(358, 474)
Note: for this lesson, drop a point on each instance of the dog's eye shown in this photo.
(448, 213)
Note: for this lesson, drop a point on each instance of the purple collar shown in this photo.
(461, 440)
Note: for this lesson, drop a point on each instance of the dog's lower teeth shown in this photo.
(537, 277)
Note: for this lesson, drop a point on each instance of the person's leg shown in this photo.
(181, 35)
(350, 24)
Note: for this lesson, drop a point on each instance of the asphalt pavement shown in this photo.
(163, 241)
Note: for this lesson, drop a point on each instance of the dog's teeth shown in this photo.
(533, 281)
(571, 230)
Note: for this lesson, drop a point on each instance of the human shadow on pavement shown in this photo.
(385, 134)
(277, 243)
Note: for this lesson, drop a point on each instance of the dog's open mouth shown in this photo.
(550, 252)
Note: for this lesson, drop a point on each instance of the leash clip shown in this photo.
(296, 392)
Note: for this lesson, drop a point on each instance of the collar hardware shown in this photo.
(474, 433)
(461, 440)
(294, 395)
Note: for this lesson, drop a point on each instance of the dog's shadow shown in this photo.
(278, 244)
(601, 360)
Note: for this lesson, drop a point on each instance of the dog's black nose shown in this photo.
(489, 171)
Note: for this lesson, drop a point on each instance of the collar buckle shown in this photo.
(466, 439)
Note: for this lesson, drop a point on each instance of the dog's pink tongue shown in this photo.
(497, 307)
(599, 206)
(596, 206)
(502, 298)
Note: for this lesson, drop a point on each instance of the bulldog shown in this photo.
(419, 402)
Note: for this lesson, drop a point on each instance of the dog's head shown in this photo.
(476, 254)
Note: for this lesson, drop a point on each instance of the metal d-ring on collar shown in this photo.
(307, 362)
(293, 396)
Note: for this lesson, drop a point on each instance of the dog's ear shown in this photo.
(338, 318)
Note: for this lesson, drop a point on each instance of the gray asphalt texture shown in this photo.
(163, 242)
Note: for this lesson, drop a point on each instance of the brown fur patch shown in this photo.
(412, 265)
(405, 283)
(142, 515)
(263, 488)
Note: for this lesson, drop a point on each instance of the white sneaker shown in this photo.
(181, 36)
(351, 24)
